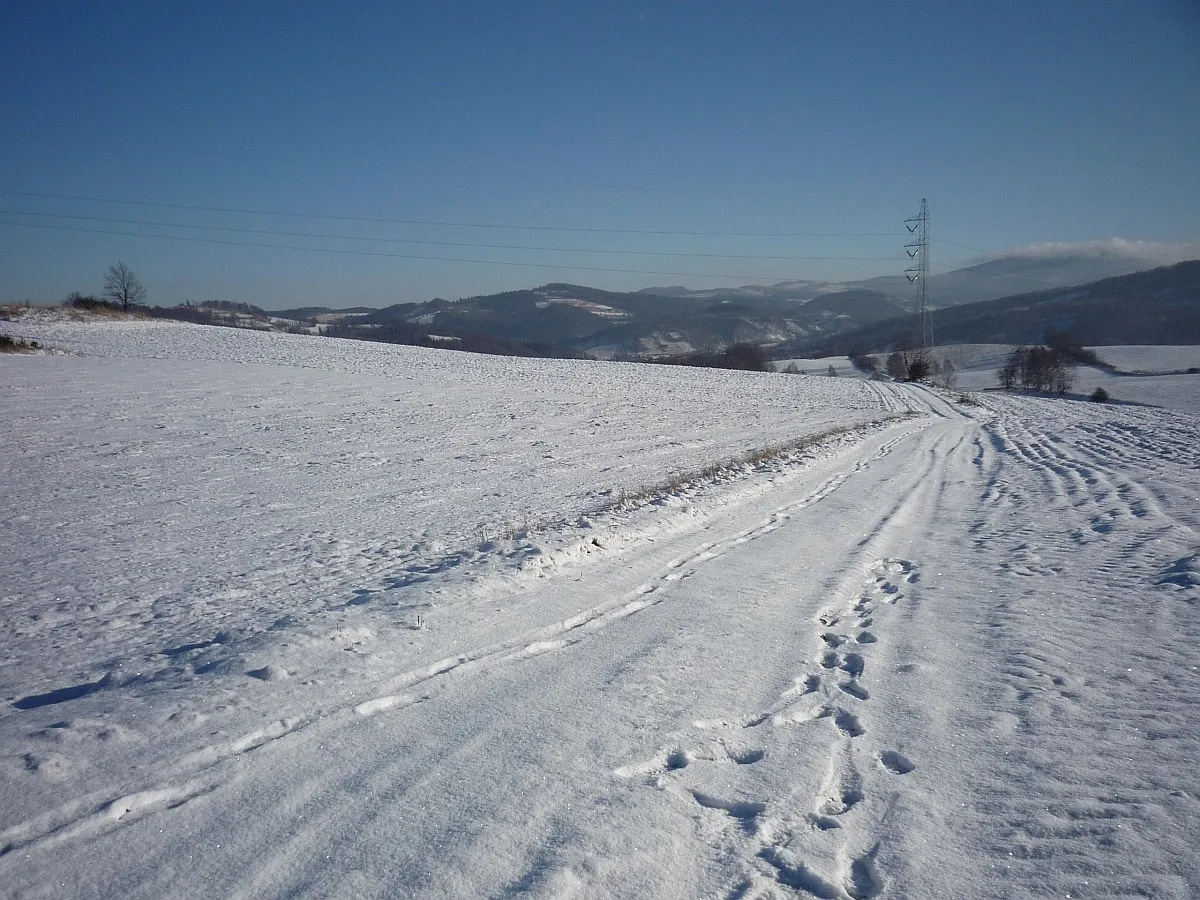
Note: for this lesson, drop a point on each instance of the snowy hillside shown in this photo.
(299, 617)
(1154, 375)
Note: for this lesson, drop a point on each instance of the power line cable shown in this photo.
(378, 254)
(436, 223)
(960, 246)
(275, 160)
(390, 240)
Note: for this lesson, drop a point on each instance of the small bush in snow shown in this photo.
(919, 369)
(1099, 395)
(16, 345)
(861, 360)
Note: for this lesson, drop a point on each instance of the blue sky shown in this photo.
(743, 131)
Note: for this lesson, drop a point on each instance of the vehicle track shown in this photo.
(425, 682)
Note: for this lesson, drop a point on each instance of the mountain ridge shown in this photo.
(796, 317)
(1156, 306)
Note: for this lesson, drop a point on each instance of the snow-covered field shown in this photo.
(297, 617)
(1153, 375)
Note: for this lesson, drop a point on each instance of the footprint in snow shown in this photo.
(855, 690)
(862, 880)
(845, 800)
(853, 665)
(746, 812)
(848, 724)
(896, 763)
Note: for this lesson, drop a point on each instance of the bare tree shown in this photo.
(1010, 372)
(122, 286)
(914, 357)
(861, 360)
(944, 373)
(1037, 368)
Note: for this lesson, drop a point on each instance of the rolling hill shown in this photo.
(1160, 306)
(799, 317)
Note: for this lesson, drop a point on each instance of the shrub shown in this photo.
(745, 357)
(16, 345)
(1099, 395)
(919, 369)
(943, 373)
(76, 300)
(862, 361)
(1067, 346)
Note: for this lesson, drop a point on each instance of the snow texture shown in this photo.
(297, 617)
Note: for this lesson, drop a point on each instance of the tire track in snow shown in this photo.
(564, 633)
(99, 812)
(1095, 715)
(841, 823)
(193, 776)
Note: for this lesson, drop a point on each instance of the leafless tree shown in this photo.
(1010, 372)
(916, 359)
(944, 375)
(1037, 368)
(122, 286)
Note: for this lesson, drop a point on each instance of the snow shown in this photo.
(1151, 375)
(841, 365)
(596, 309)
(1151, 359)
(293, 616)
(1145, 374)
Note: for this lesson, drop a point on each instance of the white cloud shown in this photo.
(1152, 252)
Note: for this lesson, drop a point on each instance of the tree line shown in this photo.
(1050, 366)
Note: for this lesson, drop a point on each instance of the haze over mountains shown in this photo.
(1021, 271)
(988, 301)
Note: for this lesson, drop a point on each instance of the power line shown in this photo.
(918, 250)
(390, 240)
(436, 223)
(378, 254)
(276, 159)
(961, 246)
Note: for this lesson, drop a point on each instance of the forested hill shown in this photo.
(1159, 306)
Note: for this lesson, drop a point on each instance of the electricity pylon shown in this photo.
(918, 273)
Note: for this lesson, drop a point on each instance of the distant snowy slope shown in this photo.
(1152, 359)
(1145, 374)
